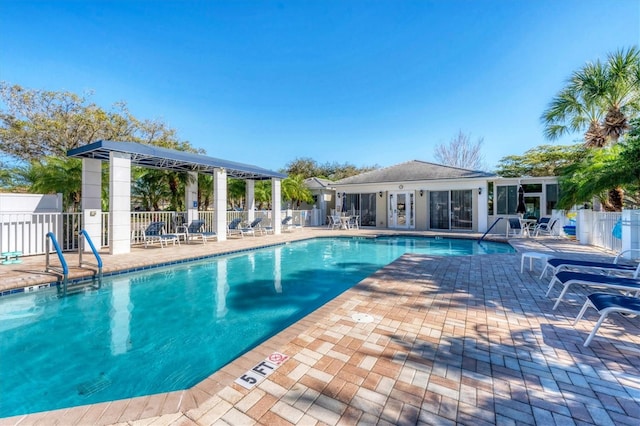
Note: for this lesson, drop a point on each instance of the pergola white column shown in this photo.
(92, 200)
(250, 195)
(119, 203)
(191, 197)
(276, 205)
(220, 203)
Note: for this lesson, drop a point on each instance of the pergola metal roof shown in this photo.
(169, 159)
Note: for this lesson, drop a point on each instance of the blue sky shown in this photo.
(265, 82)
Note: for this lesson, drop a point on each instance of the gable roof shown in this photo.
(170, 159)
(413, 171)
(317, 183)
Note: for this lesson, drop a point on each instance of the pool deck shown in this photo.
(454, 340)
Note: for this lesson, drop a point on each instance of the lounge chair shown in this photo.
(234, 228)
(287, 224)
(544, 226)
(569, 278)
(196, 230)
(605, 304)
(558, 264)
(252, 227)
(155, 232)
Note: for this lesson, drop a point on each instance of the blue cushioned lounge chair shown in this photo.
(155, 232)
(196, 230)
(233, 228)
(252, 227)
(557, 264)
(569, 278)
(605, 304)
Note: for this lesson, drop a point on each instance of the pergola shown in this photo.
(121, 155)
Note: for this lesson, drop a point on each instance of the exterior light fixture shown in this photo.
(380, 194)
(421, 192)
(479, 191)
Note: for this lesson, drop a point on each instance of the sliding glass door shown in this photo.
(451, 209)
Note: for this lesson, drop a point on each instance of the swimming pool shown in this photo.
(169, 328)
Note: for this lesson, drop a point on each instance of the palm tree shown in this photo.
(294, 190)
(56, 175)
(599, 100)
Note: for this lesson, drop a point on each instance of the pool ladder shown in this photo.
(489, 230)
(64, 269)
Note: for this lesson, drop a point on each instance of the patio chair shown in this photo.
(334, 222)
(252, 227)
(514, 227)
(545, 228)
(609, 282)
(287, 224)
(558, 264)
(196, 230)
(233, 228)
(155, 232)
(354, 222)
(605, 304)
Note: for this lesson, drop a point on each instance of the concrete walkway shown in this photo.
(453, 340)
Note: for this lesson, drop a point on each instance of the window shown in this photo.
(552, 197)
(507, 199)
(532, 187)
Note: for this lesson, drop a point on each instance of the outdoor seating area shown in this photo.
(337, 221)
(393, 369)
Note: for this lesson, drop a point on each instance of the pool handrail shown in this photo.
(51, 238)
(489, 230)
(84, 236)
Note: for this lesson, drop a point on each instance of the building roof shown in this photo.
(170, 159)
(413, 171)
(318, 183)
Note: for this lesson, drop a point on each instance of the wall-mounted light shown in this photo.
(421, 192)
(380, 194)
(479, 191)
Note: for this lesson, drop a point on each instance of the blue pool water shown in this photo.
(168, 328)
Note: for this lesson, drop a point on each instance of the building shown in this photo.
(426, 196)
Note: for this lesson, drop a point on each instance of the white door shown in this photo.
(401, 210)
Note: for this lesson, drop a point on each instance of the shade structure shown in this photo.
(521, 209)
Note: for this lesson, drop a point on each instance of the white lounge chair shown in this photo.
(605, 304)
(196, 230)
(558, 264)
(155, 232)
(570, 278)
(252, 227)
(233, 228)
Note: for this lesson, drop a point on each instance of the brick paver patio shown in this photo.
(453, 340)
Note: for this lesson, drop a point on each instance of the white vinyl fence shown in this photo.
(596, 228)
(26, 232)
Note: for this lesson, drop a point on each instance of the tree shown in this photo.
(53, 175)
(461, 152)
(294, 190)
(599, 99)
(148, 188)
(39, 123)
(543, 160)
(308, 167)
